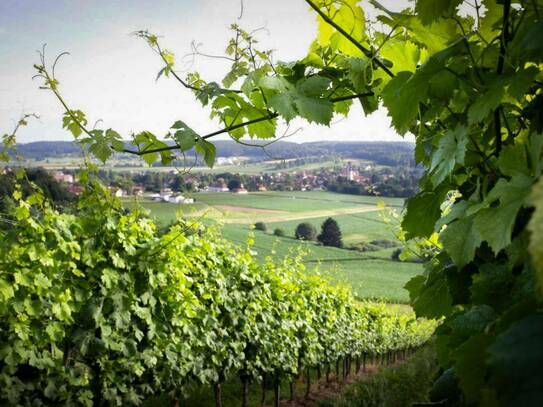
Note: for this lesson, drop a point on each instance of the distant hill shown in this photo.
(384, 153)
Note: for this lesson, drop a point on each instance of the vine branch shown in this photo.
(364, 50)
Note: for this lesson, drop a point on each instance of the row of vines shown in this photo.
(97, 308)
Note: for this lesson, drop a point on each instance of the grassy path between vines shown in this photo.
(333, 392)
(328, 391)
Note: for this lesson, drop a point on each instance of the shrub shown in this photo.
(330, 234)
(305, 231)
(279, 232)
(396, 255)
(364, 247)
(385, 243)
(260, 226)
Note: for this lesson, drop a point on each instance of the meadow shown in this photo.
(372, 274)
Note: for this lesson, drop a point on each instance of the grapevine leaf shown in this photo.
(283, 104)
(405, 56)
(491, 22)
(208, 150)
(536, 229)
(486, 102)
(72, 120)
(315, 110)
(304, 99)
(184, 136)
(469, 363)
(401, 96)
(430, 296)
(313, 86)
(460, 239)
(529, 42)
(516, 358)
(495, 223)
(451, 151)
(423, 211)
(358, 72)
(431, 10)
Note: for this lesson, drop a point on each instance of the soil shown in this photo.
(321, 391)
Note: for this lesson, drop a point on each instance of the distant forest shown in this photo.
(383, 153)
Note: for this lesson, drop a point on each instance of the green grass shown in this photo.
(396, 385)
(338, 198)
(354, 227)
(164, 212)
(370, 274)
(287, 201)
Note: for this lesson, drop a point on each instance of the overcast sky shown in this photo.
(110, 75)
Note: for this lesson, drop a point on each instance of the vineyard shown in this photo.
(98, 309)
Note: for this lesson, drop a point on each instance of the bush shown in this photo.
(279, 232)
(330, 234)
(385, 243)
(305, 231)
(396, 255)
(364, 247)
(260, 226)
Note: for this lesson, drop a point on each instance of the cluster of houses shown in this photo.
(307, 180)
(221, 186)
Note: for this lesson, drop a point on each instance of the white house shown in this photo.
(180, 199)
(175, 199)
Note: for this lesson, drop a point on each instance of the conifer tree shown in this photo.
(330, 234)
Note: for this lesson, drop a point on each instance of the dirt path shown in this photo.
(322, 390)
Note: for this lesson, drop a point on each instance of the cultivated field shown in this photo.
(371, 274)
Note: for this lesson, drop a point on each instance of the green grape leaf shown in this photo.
(472, 322)
(528, 44)
(72, 120)
(184, 136)
(451, 151)
(430, 296)
(283, 104)
(208, 150)
(358, 72)
(431, 10)
(315, 110)
(402, 96)
(486, 102)
(304, 99)
(536, 229)
(422, 212)
(405, 56)
(491, 22)
(314, 86)
(460, 239)
(516, 358)
(101, 143)
(469, 364)
(494, 223)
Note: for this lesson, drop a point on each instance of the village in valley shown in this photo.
(172, 185)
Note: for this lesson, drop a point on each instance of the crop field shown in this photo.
(371, 274)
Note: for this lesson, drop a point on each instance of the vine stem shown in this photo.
(504, 38)
(227, 129)
(363, 49)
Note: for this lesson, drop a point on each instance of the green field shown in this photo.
(134, 165)
(371, 274)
